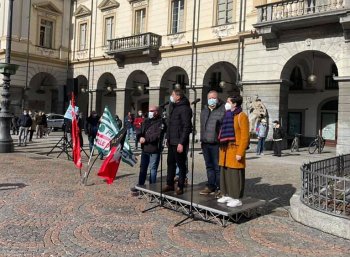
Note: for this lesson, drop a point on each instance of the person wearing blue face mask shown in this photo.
(151, 138)
(178, 136)
(211, 119)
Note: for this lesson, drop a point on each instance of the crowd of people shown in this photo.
(27, 124)
(224, 137)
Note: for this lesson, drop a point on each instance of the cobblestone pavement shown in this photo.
(44, 211)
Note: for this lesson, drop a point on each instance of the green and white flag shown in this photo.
(127, 155)
(107, 130)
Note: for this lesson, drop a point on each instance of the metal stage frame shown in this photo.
(204, 207)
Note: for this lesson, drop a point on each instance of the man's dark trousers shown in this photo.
(277, 148)
(176, 158)
(211, 157)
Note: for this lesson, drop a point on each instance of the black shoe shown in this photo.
(167, 188)
(179, 191)
(134, 190)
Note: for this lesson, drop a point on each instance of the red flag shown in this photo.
(75, 137)
(110, 165)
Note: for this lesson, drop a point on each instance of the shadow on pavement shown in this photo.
(275, 195)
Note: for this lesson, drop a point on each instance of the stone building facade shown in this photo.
(40, 46)
(127, 54)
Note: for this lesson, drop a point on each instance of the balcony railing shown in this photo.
(137, 42)
(297, 8)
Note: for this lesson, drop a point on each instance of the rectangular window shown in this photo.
(224, 12)
(46, 32)
(83, 36)
(140, 21)
(109, 26)
(215, 81)
(177, 16)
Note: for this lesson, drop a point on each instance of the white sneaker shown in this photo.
(234, 203)
(224, 199)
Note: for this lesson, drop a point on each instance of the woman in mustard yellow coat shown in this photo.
(234, 140)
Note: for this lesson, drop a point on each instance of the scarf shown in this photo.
(227, 131)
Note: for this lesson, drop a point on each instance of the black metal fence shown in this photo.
(326, 185)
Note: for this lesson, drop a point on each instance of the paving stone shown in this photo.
(44, 211)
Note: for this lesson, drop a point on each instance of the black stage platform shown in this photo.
(204, 207)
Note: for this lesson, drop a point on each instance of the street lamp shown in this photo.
(7, 69)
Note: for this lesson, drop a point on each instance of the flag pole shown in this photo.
(121, 136)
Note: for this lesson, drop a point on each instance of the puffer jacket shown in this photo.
(211, 121)
(179, 123)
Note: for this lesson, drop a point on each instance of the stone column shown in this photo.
(120, 103)
(154, 94)
(343, 140)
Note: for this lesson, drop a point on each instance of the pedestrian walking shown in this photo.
(24, 123)
(91, 128)
(137, 125)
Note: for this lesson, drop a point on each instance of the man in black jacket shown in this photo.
(24, 123)
(211, 119)
(151, 138)
(178, 132)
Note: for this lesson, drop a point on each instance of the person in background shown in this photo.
(129, 125)
(14, 124)
(24, 123)
(39, 125)
(261, 132)
(33, 126)
(277, 138)
(137, 125)
(118, 121)
(91, 128)
(81, 127)
(44, 122)
(234, 140)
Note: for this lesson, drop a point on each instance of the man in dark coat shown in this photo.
(151, 138)
(277, 137)
(91, 128)
(178, 132)
(211, 120)
(24, 123)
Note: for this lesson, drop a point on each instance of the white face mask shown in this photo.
(140, 113)
(172, 99)
(150, 115)
(228, 106)
(25, 113)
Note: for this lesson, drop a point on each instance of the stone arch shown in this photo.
(43, 94)
(136, 92)
(221, 77)
(173, 77)
(105, 93)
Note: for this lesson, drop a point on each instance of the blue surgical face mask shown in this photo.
(228, 106)
(212, 101)
(150, 115)
(172, 99)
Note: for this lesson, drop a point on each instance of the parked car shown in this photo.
(55, 121)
